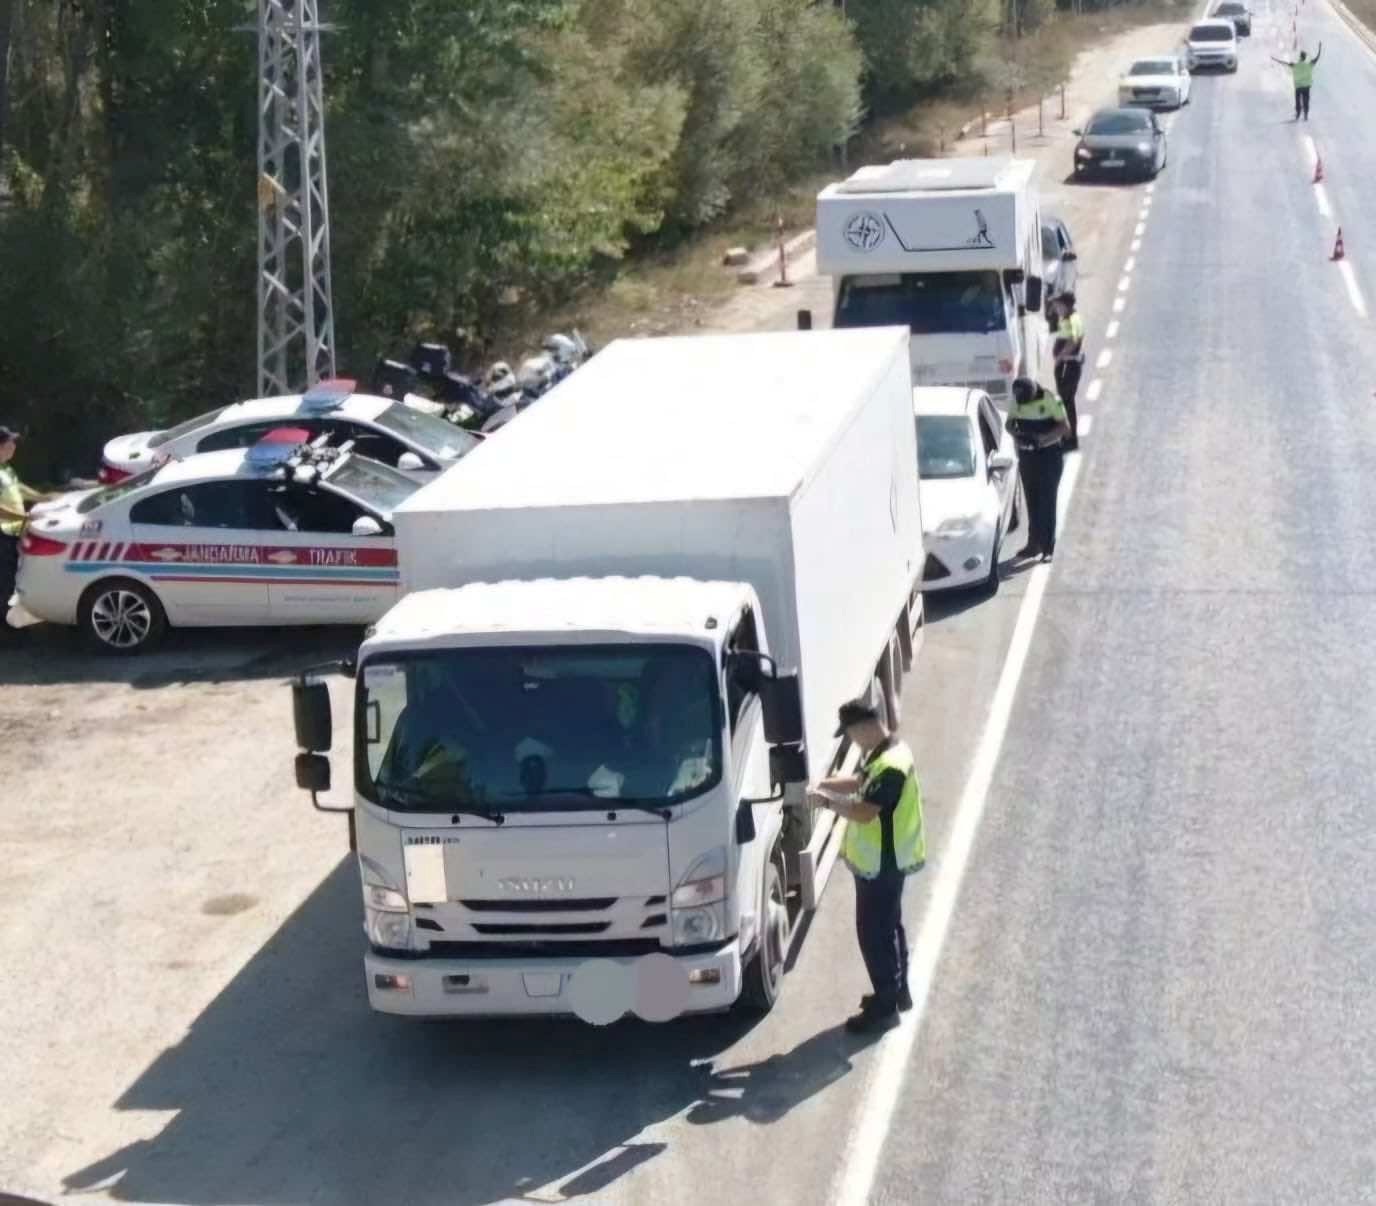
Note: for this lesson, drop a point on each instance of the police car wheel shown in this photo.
(120, 616)
(765, 973)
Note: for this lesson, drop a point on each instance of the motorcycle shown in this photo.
(449, 394)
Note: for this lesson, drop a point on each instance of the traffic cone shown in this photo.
(1318, 169)
(1338, 252)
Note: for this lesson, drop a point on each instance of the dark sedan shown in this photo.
(1236, 12)
(1121, 143)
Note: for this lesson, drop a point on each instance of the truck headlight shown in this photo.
(704, 883)
(693, 926)
(386, 917)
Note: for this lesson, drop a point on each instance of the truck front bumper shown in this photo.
(652, 986)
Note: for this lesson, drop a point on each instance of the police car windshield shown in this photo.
(175, 433)
(109, 494)
(549, 729)
(944, 449)
(927, 303)
(1153, 67)
(377, 486)
(1126, 121)
(1211, 33)
(439, 438)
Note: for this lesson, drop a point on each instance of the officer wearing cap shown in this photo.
(1038, 425)
(885, 843)
(13, 495)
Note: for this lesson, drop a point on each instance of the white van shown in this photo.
(1211, 44)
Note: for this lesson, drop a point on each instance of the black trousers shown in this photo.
(1302, 102)
(1041, 482)
(9, 568)
(883, 941)
(1067, 385)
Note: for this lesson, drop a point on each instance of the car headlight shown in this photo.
(704, 883)
(692, 926)
(386, 917)
(957, 528)
(1083, 153)
(1144, 148)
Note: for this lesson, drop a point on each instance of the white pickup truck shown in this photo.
(582, 739)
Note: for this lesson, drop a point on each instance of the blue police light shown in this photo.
(278, 446)
(328, 394)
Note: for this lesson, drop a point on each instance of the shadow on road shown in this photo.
(288, 1089)
(49, 655)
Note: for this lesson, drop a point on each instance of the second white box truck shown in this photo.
(582, 740)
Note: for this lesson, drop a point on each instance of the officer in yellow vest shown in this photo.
(885, 843)
(14, 495)
(1302, 72)
(1038, 424)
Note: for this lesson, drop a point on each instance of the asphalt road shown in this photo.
(1154, 984)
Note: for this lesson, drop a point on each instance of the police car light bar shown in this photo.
(278, 446)
(328, 394)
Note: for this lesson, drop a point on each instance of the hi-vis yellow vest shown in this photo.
(864, 845)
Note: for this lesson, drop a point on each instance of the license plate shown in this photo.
(1113, 163)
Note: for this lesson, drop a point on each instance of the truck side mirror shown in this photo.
(782, 699)
(310, 705)
(313, 773)
(745, 823)
(1032, 293)
(787, 764)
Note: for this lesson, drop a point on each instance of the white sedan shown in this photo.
(968, 470)
(1160, 83)
(284, 532)
(380, 428)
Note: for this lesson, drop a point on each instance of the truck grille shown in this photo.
(596, 905)
(624, 948)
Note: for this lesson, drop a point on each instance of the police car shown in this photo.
(380, 428)
(285, 532)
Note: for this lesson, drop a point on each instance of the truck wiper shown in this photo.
(596, 803)
(411, 798)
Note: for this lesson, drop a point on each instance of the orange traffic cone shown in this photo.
(1338, 252)
(1318, 169)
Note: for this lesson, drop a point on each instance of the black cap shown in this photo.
(7, 434)
(1024, 389)
(1068, 297)
(855, 711)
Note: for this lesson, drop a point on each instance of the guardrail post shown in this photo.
(1063, 100)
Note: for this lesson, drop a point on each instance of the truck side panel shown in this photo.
(857, 544)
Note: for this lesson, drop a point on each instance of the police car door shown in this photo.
(334, 576)
(197, 545)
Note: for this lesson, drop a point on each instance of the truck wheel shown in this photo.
(120, 616)
(765, 973)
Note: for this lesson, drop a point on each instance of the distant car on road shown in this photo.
(968, 481)
(1060, 261)
(383, 429)
(1211, 44)
(1236, 12)
(1120, 143)
(281, 533)
(1160, 83)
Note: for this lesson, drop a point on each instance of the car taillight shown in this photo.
(111, 477)
(34, 545)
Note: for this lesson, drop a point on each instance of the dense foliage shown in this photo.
(483, 153)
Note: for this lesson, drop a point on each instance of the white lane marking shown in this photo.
(1112, 332)
(1321, 196)
(1105, 359)
(1144, 215)
(1146, 207)
(1125, 284)
(1118, 304)
(1083, 425)
(1140, 229)
(1354, 293)
(1312, 148)
(1136, 245)
(1131, 264)
(1151, 188)
(865, 1143)
(1096, 387)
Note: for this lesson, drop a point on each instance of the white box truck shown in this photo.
(951, 249)
(582, 740)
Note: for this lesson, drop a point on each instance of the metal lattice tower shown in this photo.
(295, 309)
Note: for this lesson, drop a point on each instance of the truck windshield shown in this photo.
(537, 730)
(927, 303)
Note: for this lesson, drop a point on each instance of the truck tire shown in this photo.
(120, 616)
(764, 974)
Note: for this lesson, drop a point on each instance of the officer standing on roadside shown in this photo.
(1302, 72)
(1038, 426)
(13, 495)
(1070, 360)
(885, 843)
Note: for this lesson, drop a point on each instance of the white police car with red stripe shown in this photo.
(380, 428)
(285, 532)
